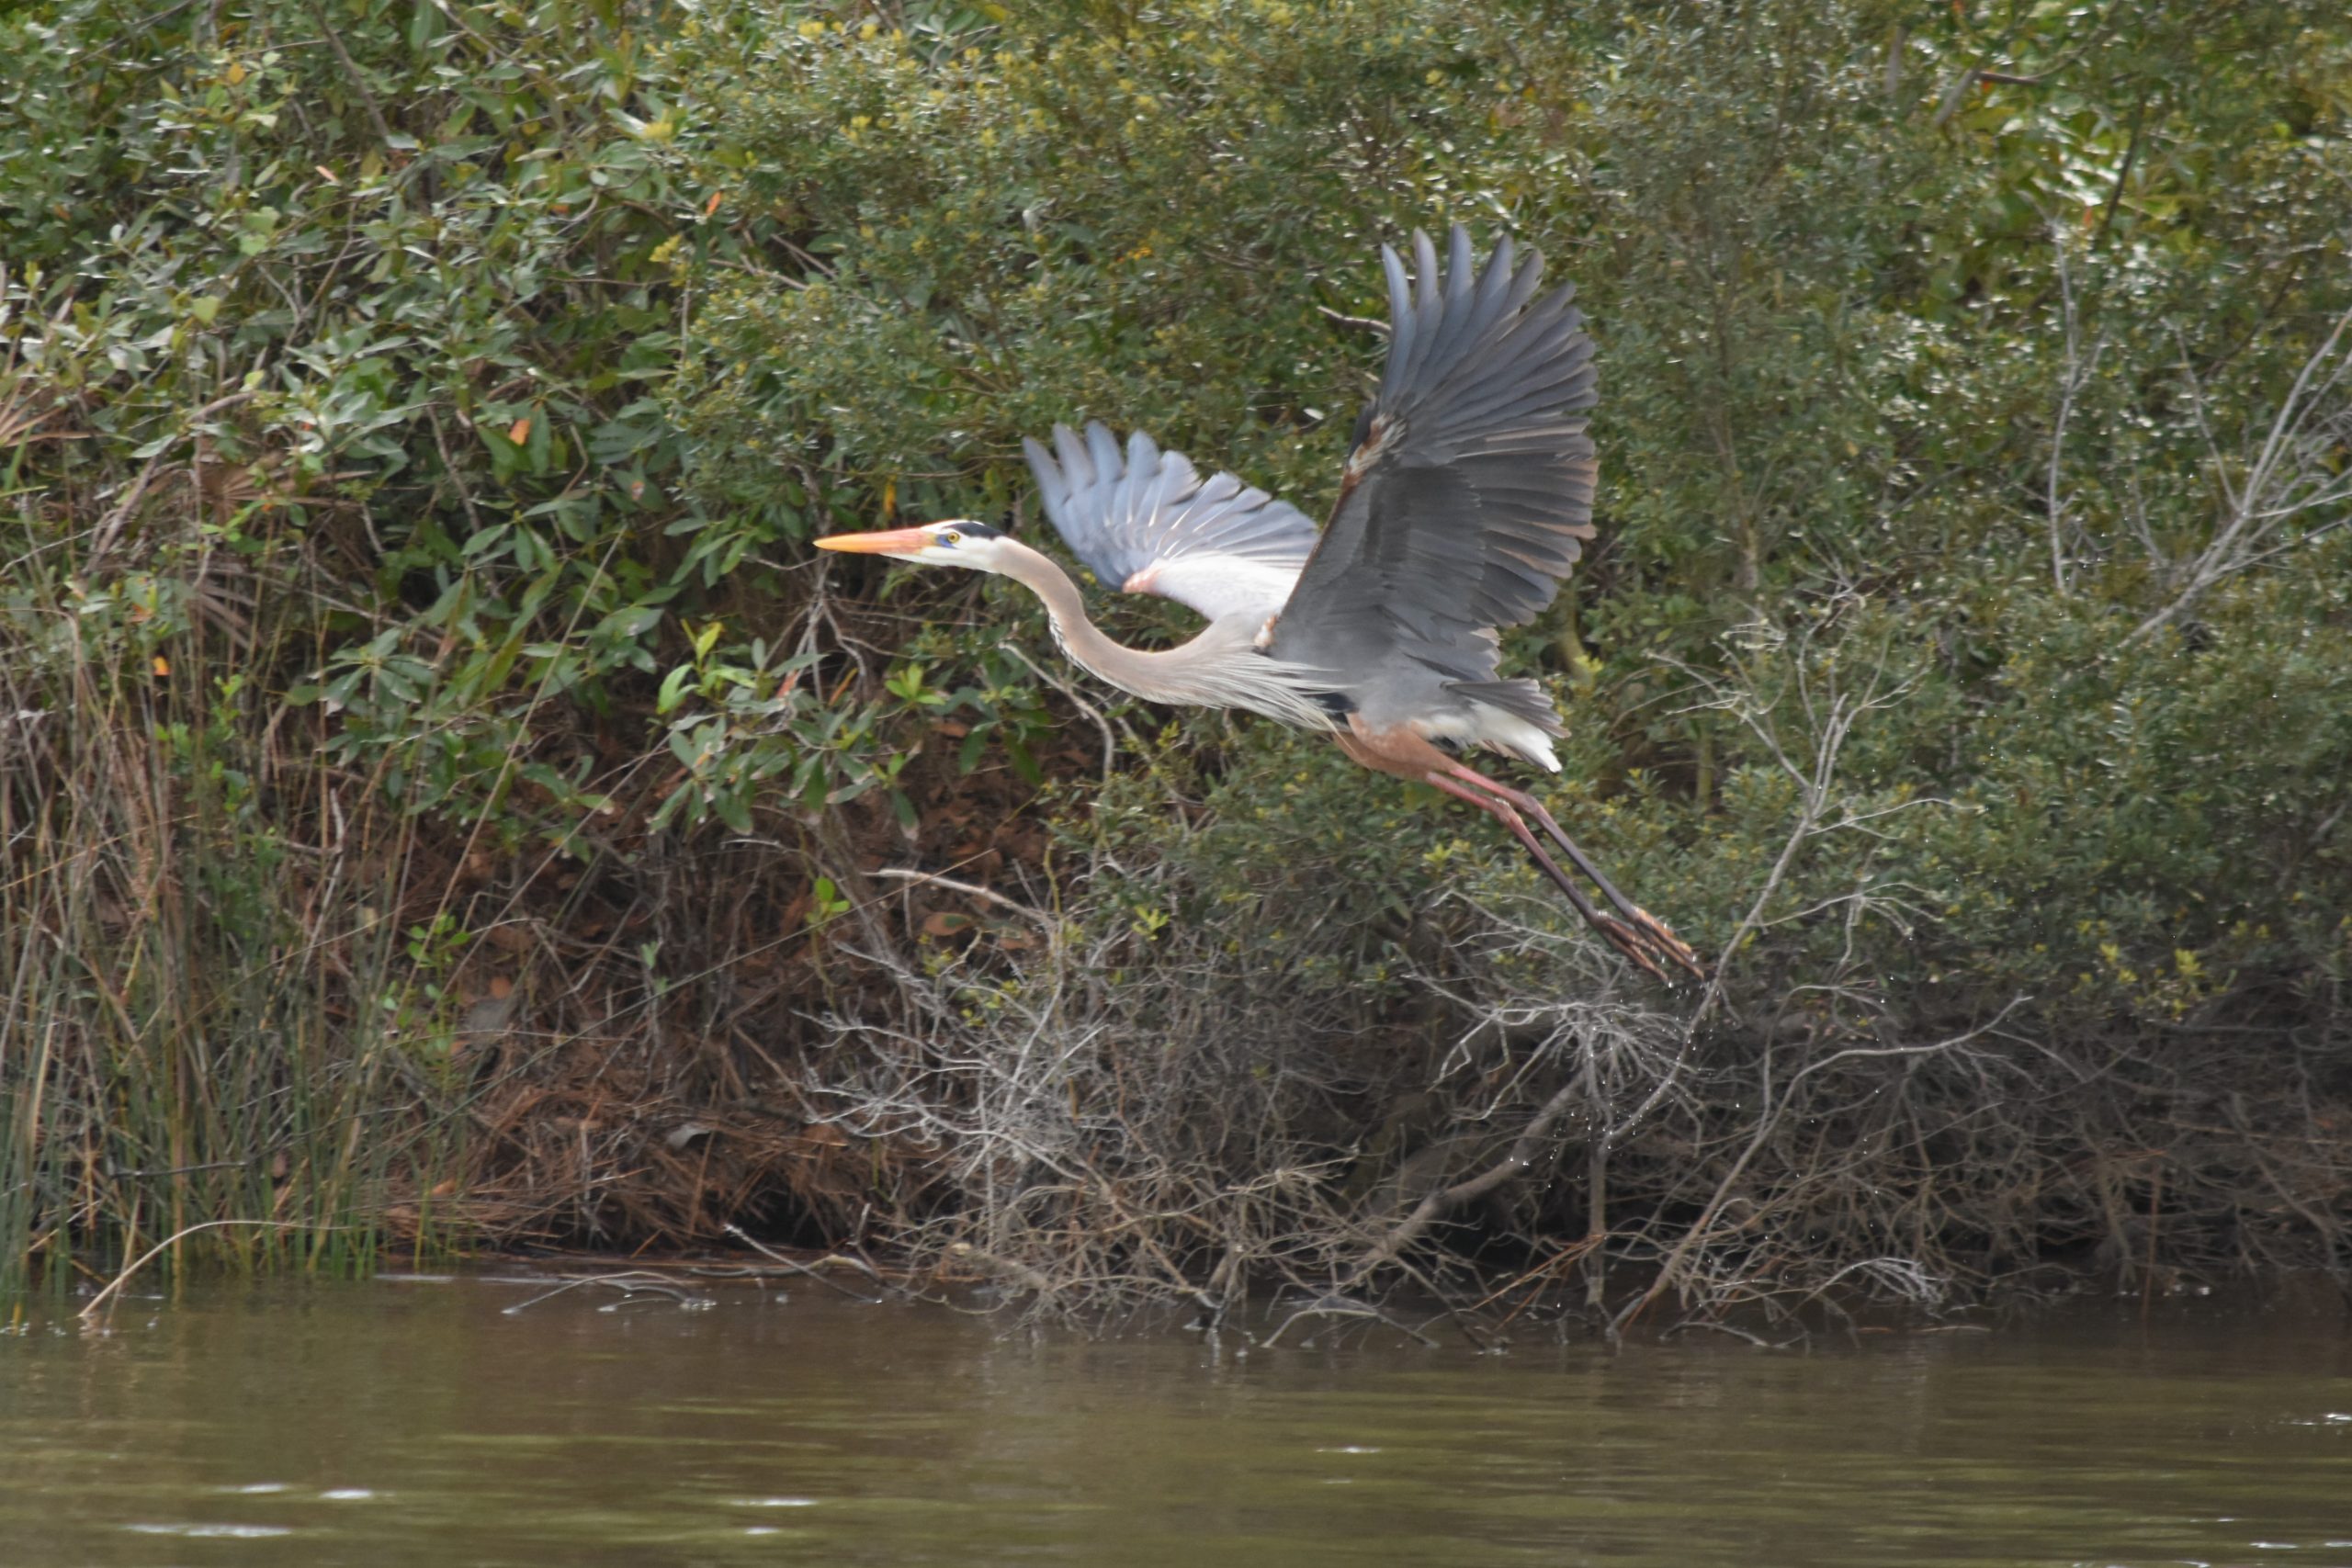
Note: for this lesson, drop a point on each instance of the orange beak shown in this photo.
(890, 542)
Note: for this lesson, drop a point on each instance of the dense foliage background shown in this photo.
(415, 413)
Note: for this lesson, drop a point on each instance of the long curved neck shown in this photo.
(1219, 669)
(1126, 667)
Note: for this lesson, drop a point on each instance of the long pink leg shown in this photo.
(1623, 937)
(1658, 935)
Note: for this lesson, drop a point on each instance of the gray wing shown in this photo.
(1146, 522)
(1469, 494)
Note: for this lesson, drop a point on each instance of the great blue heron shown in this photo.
(1468, 497)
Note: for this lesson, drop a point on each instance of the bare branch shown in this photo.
(2289, 475)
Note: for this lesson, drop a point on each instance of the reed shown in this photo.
(206, 1009)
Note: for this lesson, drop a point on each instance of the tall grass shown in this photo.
(206, 1013)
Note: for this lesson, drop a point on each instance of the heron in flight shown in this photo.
(1468, 497)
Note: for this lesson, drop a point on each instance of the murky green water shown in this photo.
(418, 1423)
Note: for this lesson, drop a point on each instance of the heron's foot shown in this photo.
(1645, 940)
(1634, 944)
(1660, 937)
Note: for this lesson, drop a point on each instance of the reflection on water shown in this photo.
(417, 1422)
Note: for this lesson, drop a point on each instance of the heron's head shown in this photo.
(959, 541)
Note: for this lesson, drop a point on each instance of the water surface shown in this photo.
(419, 1422)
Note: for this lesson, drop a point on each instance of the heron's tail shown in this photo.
(1519, 696)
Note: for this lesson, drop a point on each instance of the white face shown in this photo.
(956, 542)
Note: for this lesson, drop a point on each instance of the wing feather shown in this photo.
(1144, 520)
(1469, 494)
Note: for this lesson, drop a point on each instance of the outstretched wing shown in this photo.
(1469, 494)
(1146, 522)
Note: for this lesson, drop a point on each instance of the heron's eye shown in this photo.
(951, 537)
